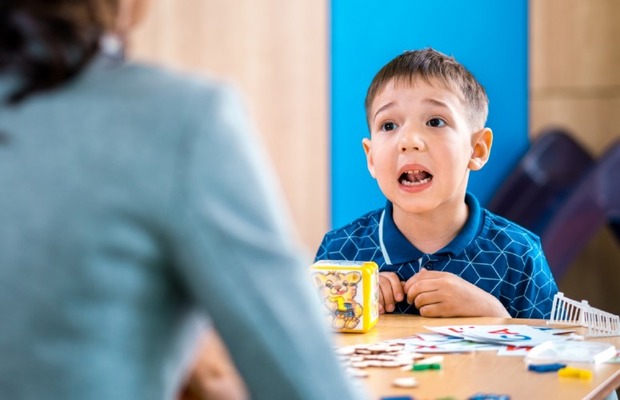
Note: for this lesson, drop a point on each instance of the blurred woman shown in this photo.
(136, 206)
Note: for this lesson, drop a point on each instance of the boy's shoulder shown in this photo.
(369, 221)
(358, 239)
(501, 229)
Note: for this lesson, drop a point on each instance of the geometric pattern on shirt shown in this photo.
(505, 260)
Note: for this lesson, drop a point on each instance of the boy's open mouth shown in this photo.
(414, 177)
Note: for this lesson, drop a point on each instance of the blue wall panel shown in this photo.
(489, 37)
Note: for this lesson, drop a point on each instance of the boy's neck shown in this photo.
(434, 230)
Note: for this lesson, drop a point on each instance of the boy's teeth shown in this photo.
(414, 183)
(415, 177)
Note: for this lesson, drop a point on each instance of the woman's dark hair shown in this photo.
(48, 42)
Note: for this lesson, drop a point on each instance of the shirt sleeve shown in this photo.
(536, 288)
(321, 253)
(239, 259)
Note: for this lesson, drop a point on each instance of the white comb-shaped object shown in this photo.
(565, 311)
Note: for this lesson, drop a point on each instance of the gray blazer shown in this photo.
(133, 201)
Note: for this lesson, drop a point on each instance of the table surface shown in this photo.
(465, 374)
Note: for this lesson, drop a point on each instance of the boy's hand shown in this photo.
(443, 294)
(391, 291)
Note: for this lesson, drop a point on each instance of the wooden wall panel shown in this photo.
(574, 75)
(275, 51)
(574, 43)
(575, 83)
(595, 274)
(595, 121)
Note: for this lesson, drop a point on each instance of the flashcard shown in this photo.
(426, 338)
(554, 331)
(454, 347)
(430, 343)
(513, 351)
(450, 330)
(516, 335)
(508, 340)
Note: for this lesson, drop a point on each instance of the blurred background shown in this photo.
(304, 67)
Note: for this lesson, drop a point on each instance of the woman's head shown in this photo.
(48, 42)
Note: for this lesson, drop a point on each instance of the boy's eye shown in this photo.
(436, 122)
(388, 126)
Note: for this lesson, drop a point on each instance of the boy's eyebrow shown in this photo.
(382, 108)
(431, 101)
(436, 102)
(448, 106)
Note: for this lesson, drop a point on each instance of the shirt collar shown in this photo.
(398, 250)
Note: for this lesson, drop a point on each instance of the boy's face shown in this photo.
(422, 147)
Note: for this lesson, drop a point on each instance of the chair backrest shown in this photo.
(542, 179)
(594, 203)
(609, 179)
(614, 225)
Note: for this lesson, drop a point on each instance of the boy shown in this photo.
(439, 253)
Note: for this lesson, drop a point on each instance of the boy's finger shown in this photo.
(415, 278)
(411, 294)
(381, 300)
(390, 277)
(424, 274)
(386, 291)
(416, 288)
(425, 299)
(398, 293)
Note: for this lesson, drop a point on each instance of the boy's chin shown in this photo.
(417, 206)
(423, 204)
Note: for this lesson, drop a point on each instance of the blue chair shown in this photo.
(542, 179)
(594, 204)
(614, 224)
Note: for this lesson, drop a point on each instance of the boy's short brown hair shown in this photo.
(431, 64)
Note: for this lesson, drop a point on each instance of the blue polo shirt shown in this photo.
(491, 252)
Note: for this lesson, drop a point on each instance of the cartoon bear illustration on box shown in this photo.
(339, 291)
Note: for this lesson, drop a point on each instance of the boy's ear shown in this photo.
(367, 145)
(481, 149)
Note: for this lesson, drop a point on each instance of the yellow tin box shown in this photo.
(350, 292)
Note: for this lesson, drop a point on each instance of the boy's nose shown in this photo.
(411, 141)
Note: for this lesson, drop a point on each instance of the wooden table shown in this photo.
(465, 374)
